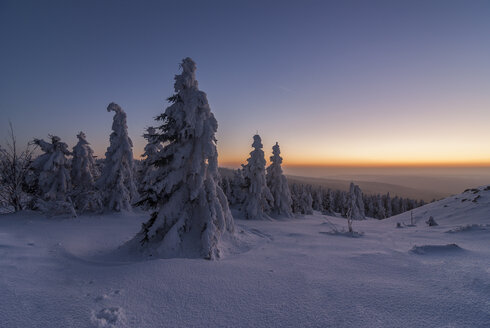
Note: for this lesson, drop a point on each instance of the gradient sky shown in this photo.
(334, 82)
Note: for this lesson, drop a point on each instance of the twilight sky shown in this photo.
(334, 82)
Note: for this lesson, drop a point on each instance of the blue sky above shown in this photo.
(333, 81)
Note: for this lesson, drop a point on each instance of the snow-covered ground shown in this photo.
(59, 272)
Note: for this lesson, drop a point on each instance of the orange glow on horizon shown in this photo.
(367, 164)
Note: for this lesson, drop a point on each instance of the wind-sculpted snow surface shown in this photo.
(62, 273)
(192, 211)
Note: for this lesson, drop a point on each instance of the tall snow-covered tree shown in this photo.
(148, 189)
(278, 185)
(193, 214)
(257, 195)
(83, 174)
(52, 177)
(117, 179)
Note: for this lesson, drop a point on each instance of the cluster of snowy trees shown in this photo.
(301, 198)
(259, 192)
(60, 181)
(177, 181)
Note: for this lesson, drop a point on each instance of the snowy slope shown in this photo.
(284, 273)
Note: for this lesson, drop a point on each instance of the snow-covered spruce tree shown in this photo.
(318, 199)
(51, 178)
(343, 203)
(355, 207)
(83, 174)
(116, 181)
(193, 213)
(237, 189)
(395, 205)
(257, 194)
(328, 202)
(360, 203)
(225, 186)
(295, 198)
(306, 200)
(387, 201)
(278, 185)
(302, 199)
(379, 210)
(148, 189)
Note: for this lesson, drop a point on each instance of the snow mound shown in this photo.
(109, 317)
(470, 227)
(436, 249)
(345, 233)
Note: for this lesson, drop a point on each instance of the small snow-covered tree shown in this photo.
(388, 207)
(258, 196)
(306, 200)
(379, 210)
(278, 185)
(344, 204)
(395, 205)
(116, 181)
(193, 213)
(237, 189)
(403, 205)
(302, 199)
(83, 174)
(371, 206)
(355, 206)
(318, 199)
(328, 201)
(225, 186)
(148, 189)
(52, 177)
(295, 198)
(355, 203)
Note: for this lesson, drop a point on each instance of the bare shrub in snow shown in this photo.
(14, 168)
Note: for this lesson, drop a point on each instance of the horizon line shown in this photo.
(375, 165)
